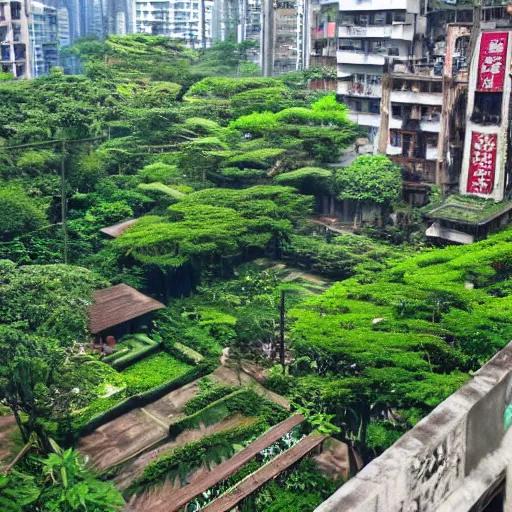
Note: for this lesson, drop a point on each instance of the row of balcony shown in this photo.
(396, 31)
(376, 58)
(412, 6)
(367, 90)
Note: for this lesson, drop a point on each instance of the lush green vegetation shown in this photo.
(62, 482)
(222, 174)
(152, 372)
(401, 339)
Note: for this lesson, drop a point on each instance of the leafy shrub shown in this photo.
(308, 180)
(227, 87)
(207, 397)
(339, 258)
(161, 172)
(244, 401)
(370, 178)
(256, 123)
(18, 214)
(269, 99)
(259, 159)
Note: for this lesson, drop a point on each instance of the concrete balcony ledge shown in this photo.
(412, 6)
(399, 31)
(430, 126)
(393, 150)
(351, 31)
(359, 89)
(349, 57)
(417, 98)
(446, 455)
(365, 119)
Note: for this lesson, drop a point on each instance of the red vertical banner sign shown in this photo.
(492, 62)
(482, 163)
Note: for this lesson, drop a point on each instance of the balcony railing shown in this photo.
(354, 57)
(360, 89)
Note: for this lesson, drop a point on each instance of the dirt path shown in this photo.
(137, 430)
(140, 429)
(7, 429)
(135, 468)
(120, 438)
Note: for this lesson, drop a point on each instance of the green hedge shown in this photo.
(183, 353)
(183, 460)
(203, 368)
(123, 362)
(245, 401)
(205, 398)
(224, 87)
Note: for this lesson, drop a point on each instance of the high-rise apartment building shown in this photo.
(14, 39)
(79, 18)
(179, 19)
(324, 36)
(29, 38)
(44, 39)
(372, 34)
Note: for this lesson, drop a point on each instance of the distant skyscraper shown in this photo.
(178, 19)
(43, 37)
(285, 36)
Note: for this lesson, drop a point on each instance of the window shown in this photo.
(396, 139)
(379, 19)
(487, 108)
(6, 53)
(374, 107)
(351, 45)
(16, 33)
(437, 87)
(431, 140)
(363, 20)
(399, 17)
(358, 106)
(15, 10)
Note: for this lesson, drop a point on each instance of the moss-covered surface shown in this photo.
(468, 209)
(153, 372)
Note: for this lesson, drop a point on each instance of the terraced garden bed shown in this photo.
(153, 372)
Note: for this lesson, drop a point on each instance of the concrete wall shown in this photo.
(432, 463)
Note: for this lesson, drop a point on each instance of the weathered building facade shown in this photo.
(285, 36)
(371, 35)
(423, 117)
(487, 140)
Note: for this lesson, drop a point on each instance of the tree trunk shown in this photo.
(24, 435)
